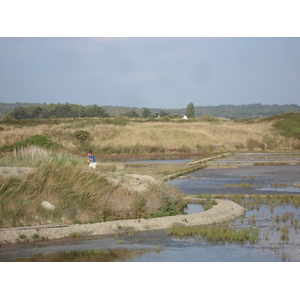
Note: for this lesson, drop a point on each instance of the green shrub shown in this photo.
(36, 140)
(295, 132)
(35, 236)
(40, 140)
(287, 122)
(169, 208)
(77, 221)
(81, 135)
(209, 205)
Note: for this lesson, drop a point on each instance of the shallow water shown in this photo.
(194, 208)
(170, 161)
(165, 248)
(260, 179)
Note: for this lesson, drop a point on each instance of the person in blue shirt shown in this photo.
(92, 160)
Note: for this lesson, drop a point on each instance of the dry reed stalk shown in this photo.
(172, 135)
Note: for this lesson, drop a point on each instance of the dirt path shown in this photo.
(225, 211)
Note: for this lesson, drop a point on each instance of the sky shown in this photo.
(138, 69)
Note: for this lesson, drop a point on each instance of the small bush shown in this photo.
(81, 135)
(36, 140)
(209, 205)
(295, 132)
(208, 118)
(287, 122)
(76, 221)
(35, 236)
(252, 144)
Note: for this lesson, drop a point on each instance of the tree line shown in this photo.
(40, 111)
(256, 110)
(66, 110)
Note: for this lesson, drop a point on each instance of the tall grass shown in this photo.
(75, 192)
(156, 137)
(30, 156)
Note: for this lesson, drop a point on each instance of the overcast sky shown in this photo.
(153, 72)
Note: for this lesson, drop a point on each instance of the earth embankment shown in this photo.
(224, 211)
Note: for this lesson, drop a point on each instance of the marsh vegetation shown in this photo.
(56, 152)
(129, 136)
(77, 194)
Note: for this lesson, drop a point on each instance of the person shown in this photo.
(92, 160)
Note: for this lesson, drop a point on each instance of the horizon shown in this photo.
(41, 104)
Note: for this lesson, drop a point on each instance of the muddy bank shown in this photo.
(225, 211)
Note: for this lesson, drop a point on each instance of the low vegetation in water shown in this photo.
(209, 205)
(254, 201)
(95, 255)
(240, 185)
(217, 234)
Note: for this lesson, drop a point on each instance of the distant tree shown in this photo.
(131, 114)
(190, 110)
(58, 111)
(19, 113)
(96, 111)
(146, 113)
(163, 113)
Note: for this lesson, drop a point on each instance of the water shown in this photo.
(166, 248)
(270, 248)
(194, 208)
(170, 161)
(260, 180)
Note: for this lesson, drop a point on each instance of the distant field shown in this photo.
(142, 136)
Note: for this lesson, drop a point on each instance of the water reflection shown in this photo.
(194, 208)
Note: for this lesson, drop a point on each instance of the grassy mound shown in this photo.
(78, 195)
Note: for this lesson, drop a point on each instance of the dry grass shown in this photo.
(145, 137)
(77, 194)
(63, 179)
(198, 136)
